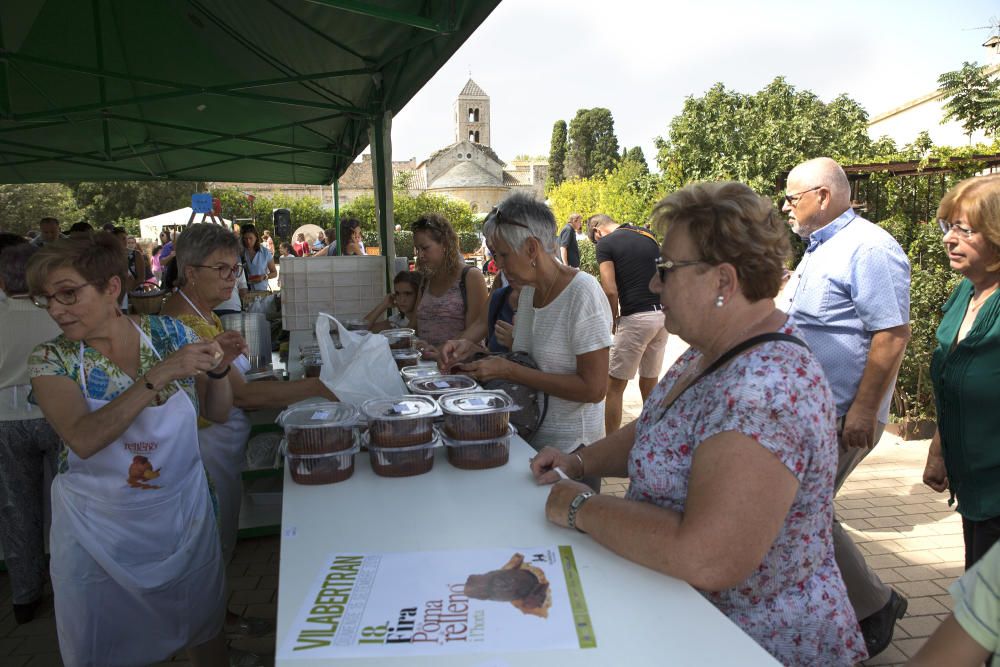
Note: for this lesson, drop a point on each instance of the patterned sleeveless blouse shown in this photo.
(441, 318)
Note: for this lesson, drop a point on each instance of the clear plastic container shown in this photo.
(406, 358)
(476, 415)
(439, 385)
(356, 325)
(320, 428)
(328, 468)
(402, 421)
(312, 365)
(419, 371)
(402, 461)
(479, 454)
(400, 339)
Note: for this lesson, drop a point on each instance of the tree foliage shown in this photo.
(727, 135)
(23, 205)
(593, 147)
(636, 155)
(627, 194)
(407, 209)
(557, 154)
(973, 98)
(107, 201)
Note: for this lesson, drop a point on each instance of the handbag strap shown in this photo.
(735, 350)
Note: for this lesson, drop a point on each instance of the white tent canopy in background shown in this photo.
(149, 228)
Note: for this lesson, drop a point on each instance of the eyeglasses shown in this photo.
(955, 227)
(501, 219)
(66, 296)
(225, 271)
(794, 198)
(665, 266)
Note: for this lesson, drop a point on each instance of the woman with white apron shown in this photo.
(136, 564)
(208, 266)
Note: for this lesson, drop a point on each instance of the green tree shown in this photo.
(973, 98)
(407, 209)
(107, 201)
(627, 193)
(557, 154)
(593, 147)
(756, 138)
(636, 155)
(23, 205)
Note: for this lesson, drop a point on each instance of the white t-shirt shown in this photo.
(233, 302)
(577, 321)
(22, 327)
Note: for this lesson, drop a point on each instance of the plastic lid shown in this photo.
(393, 333)
(442, 383)
(476, 403)
(401, 407)
(406, 354)
(320, 415)
(420, 371)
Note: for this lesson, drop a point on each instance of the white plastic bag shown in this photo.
(363, 367)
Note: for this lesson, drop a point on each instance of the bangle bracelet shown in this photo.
(218, 376)
(580, 459)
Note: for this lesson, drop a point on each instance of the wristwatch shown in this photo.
(575, 506)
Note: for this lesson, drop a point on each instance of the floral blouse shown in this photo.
(105, 380)
(795, 605)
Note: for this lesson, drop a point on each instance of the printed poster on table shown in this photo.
(441, 602)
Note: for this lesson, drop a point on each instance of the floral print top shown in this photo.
(105, 380)
(795, 604)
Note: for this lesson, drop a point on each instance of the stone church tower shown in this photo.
(472, 115)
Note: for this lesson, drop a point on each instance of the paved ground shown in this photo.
(906, 531)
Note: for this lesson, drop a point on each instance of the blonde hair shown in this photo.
(440, 231)
(731, 224)
(980, 197)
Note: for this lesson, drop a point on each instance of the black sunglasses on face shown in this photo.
(794, 198)
(665, 266)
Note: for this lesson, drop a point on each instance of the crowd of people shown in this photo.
(734, 462)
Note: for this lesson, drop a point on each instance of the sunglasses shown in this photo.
(665, 266)
(497, 215)
(794, 198)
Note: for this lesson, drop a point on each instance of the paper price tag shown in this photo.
(403, 408)
(320, 414)
(440, 384)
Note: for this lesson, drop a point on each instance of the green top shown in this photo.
(965, 380)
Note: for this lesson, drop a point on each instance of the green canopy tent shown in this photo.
(269, 91)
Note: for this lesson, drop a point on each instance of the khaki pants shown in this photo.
(866, 591)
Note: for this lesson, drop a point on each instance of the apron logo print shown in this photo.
(140, 472)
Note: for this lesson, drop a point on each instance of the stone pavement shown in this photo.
(906, 531)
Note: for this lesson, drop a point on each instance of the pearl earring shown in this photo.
(719, 301)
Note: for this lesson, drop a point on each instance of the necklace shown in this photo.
(545, 297)
(983, 297)
(738, 338)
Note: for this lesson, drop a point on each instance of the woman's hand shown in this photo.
(427, 351)
(490, 368)
(935, 473)
(454, 351)
(504, 332)
(560, 497)
(191, 360)
(544, 464)
(232, 345)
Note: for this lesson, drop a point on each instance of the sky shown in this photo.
(541, 60)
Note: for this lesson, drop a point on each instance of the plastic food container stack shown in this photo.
(437, 386)
(406, 358)
(400, 339)
(477, 428)
(311, 365)
(401, 437)
(319, 443)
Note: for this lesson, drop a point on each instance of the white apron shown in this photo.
(136, 567)
(223, 449)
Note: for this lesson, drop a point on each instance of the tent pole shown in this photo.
(336, 214)
(380, 132)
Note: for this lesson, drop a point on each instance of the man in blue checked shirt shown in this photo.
(850, 297)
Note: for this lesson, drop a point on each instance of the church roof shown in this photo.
(465, 174)
(485, 149)
(472, 89)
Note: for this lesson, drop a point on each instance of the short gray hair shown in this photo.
(518, 218)
(199, 241)
(14, 267)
